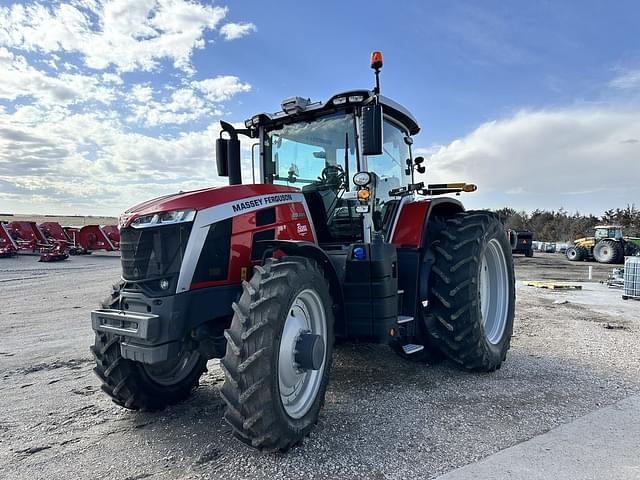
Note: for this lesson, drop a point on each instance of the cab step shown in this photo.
(404, 319)
(412, 348)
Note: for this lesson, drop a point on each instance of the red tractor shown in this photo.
(335, 240)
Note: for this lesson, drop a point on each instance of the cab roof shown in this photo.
(295, 108)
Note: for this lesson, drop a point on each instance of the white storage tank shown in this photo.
(631, 278)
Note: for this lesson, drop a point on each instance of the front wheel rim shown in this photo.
(299, 388)
(173, 371)
(494, 291)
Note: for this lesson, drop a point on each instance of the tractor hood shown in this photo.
(201, 199)
(583, 239)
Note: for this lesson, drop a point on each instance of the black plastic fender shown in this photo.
(439, 207)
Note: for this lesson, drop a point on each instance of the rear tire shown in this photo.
(134, 385)
(608, 251)
(528, 253)
(272, 402)
(472, 290)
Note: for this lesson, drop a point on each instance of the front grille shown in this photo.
(148, 253)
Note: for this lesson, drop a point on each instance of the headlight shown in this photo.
(164, 218)
(362, 178)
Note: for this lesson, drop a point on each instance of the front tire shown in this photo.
(472, 290)
(575, 254)
(274, 399)
(137, 386)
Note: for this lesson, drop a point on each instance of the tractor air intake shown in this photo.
(153, 253)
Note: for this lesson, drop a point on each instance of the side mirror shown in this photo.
(228, 159)
(419, 167)
(372, 130)
(222, 161)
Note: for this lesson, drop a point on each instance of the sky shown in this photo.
(104, 104)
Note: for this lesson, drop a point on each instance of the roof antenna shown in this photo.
(376, 64)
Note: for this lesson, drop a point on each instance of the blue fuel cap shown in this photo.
(359, 253)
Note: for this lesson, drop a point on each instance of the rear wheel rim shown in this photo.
(494, 291)
(173, 371)
(299, 388)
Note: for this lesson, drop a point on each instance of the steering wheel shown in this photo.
(332, 175)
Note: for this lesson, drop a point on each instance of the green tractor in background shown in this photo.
(608, 245)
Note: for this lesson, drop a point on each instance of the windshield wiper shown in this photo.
(346, 161)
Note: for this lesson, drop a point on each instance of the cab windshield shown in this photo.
(299, 153)
(319, 157)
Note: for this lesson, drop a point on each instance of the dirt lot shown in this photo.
(572, 353)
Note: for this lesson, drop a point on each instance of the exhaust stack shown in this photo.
(228, 155)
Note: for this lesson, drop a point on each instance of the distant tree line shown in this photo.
(561, 226)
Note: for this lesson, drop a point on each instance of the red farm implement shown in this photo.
(94, 237)
(113, 234)
(54, 232)
(8, 246)
(27, 236)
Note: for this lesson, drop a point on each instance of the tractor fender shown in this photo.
(411, 229)
(311, 250)
(440, 207)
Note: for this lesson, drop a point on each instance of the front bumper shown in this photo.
(152, 330)
(139, 332)
(129, 324)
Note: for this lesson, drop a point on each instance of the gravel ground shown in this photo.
(384, 418)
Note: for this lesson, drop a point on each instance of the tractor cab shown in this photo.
(608, 231)
(350, 156)
(320, 148)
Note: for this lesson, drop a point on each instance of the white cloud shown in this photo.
(233, 31)
(128, 34)
(142, 93)
(90, 163)
(183, 107)
(112, 78)
(579, 158)
(627, 80)
(59, 150)
(19, 79)
(221, 88)
(199, 100)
